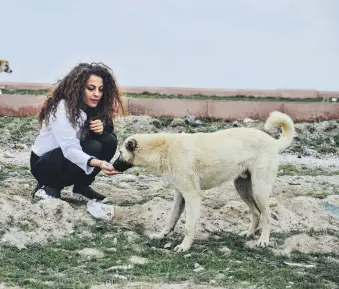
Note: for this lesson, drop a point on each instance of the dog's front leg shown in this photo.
(176, 211)
(193, 204)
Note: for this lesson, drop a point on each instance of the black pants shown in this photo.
(55, 171)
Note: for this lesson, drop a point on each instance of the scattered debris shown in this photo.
(300, 265)
(100, 210)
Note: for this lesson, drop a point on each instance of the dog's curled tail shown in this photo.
(277, 118)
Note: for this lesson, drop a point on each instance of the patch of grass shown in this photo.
(196, 96)
(61, 266)
(9, 170)
(25, 91)
(318, 194)
(300, 170)
(331, 127)
(18, 129)
(231, 98)
(162, 122)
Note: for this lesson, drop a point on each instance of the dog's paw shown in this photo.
(181, 248)
(262, 243)
(156, 236)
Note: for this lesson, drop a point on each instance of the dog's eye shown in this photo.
(131, 145)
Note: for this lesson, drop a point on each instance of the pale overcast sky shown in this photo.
(258, 44)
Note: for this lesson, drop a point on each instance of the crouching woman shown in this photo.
(76, 139)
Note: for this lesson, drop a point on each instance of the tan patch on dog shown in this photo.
(157, 143)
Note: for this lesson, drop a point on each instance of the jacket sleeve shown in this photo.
(66, 137)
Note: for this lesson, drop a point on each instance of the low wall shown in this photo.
(25, 105)
(221, 92)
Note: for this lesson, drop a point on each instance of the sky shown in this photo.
(235, 44)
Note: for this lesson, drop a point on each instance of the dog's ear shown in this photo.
(131, 145)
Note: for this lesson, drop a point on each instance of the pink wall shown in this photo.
(23, 105)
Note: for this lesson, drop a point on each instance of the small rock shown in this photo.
(91, 253)
(198, 123)
(197, 265)
(111, 249)
(178, 122)
(20, 146)
(334, 99)
(275, 215)
(189, 119)
(168, 245)
(273, 202)
(187, 255)
(138, 260)
(156, 123)
(225, 249)
(119, 267)
(300, 265)
(220, 276)
(198, 268)
(246, 120)
(131, 236)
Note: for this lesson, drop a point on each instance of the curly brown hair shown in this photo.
(71, 89)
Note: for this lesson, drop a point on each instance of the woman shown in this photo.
(77, 137)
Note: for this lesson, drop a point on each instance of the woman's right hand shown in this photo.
(108, 169)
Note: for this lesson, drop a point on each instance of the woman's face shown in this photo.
(93, 90)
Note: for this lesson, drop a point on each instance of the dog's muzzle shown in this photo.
(121, 165)
(8, 70)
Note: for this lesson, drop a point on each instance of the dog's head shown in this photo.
(127, 154)
(143, 150)
(4, 66)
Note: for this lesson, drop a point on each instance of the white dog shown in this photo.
(4, 67)
(201, 161)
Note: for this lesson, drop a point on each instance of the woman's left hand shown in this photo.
(96, 126)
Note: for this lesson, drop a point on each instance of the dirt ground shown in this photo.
(305, 196)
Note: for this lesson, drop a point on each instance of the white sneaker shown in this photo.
(47, 193)
(42, 194)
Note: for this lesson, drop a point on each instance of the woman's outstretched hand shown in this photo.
(108, 169)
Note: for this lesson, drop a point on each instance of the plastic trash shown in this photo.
(100, 210)
(330, 208)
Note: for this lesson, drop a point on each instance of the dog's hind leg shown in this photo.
(176, 211)
(244, 188)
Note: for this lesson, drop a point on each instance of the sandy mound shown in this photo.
(307, 244)
(23, 222)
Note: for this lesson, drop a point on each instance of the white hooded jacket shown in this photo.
(60, 133)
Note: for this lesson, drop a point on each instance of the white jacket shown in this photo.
(60, 133)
